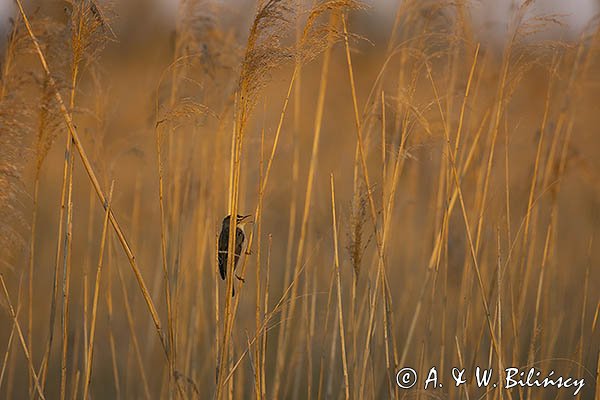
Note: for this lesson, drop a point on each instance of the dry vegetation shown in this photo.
(419, 199)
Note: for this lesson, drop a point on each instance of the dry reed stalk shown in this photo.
(264, 180)
(263, 375)
(53, 302)
(66, 281)
(276, 309)
(99, 109)
(13, 315)
(383, 147)
(581, 344)
(256, 62)
(131, 324)
(322, 366)
(227, 323)
(75, 373)
(378, 236)
(163, 246)
(501, 93)
(386, 309)
(438, 241)
(535, 326)
(75, 387)
(184, 33)
(468, 229)
(46, 134)
(461, 363)
(305, 41)
(309, 186)
(176, 111)
(417, 201)
(597, 393)
(109, 309)
(84, 318)
(216, 300)
(225, 359)
(386, 340)
(9, 58)
(90, 350)
(332, 351)
(309, 320)
(325, 332)
(11, 374)
(304, 53)
(257, 367)
(77, 47)
(8, 350)
(253, 367)
(507, 185)
(387, 315)
(481, 199)
(500, 277)
(531, 217)
(295, 172)
(36, 188)
(92, 176)
(339, 293)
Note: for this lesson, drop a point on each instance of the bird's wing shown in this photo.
(222, 255)
(222, 265)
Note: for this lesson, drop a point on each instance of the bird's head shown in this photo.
(244, 219)
(241, 220)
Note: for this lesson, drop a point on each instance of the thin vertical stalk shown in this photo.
(339, 292)
(66, 283)
(258, 221)
(90, 351)
(165, 267)
(36, 188)
(8, 352)
(109, 309)
(13, 316)
(263, 374)
(133, 336)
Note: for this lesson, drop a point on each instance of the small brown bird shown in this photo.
(224, 244)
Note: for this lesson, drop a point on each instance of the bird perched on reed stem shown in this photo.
(224, 244)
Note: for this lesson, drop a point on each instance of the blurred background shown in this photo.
(501, 96)
(489, 17)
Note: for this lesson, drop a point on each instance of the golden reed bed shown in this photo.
(425, 203)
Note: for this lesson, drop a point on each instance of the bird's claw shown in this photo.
(240, 278)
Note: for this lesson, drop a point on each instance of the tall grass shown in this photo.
(458, 231)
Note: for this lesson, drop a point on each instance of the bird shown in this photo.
(224, 244)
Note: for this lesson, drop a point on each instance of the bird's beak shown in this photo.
(245, 219)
